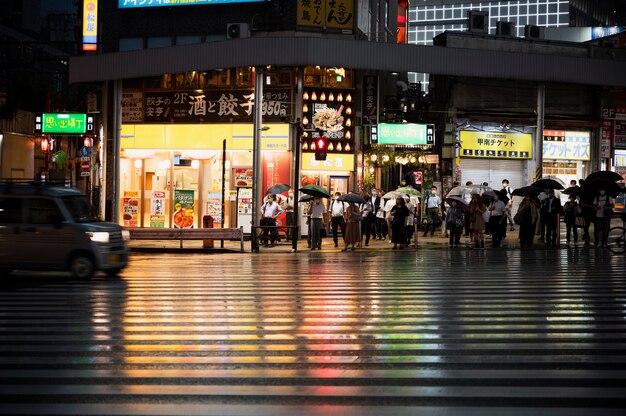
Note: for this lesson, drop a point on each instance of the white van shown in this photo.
(45, 227)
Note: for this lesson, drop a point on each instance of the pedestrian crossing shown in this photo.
(428, 332)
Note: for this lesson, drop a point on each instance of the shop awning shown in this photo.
(368, 56)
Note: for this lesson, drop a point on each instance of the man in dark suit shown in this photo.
(551, 209)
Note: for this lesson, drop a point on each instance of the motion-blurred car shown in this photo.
(46, 227)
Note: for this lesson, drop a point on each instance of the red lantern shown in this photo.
(45, 145)
(87, 142)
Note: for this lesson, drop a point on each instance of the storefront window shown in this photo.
(332, 77)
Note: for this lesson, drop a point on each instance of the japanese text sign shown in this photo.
(497, 145)
(64, 123)
(90, 25)
(370, 99)
(405, 134)
(335, 14)
(566, 145)
(219, 106)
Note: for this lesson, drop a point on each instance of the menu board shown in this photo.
(157, 209)
(214, 206)
(243, 178)
(183, 208)
(131, 208)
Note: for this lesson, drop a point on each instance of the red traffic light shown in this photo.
(320, 149)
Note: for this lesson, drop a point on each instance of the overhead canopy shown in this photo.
(303, 51)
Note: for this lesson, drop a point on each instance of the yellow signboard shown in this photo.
(335, 14)
(496, 145)
(334, 162)
(90, 25)
(202, 136)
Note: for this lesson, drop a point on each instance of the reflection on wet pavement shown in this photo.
(433, 332)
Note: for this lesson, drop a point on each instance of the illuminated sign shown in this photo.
(598, 32)
(496, 145)
(620, 158)
(64, 123)
(130, 4)
(333, 162)
(90, 25)
(566, 145)
(408, 134)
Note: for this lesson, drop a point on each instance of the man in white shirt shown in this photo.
(269, 211)
(317, 210)
(337, 209)
(433, 211)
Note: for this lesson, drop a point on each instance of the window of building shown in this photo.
(130, 44)
(188, 40)
(159, 42)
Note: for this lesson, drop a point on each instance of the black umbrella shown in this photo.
(279, 188)
(547, 183)
(352, 197)
(605, 175)
(527, 190)
(572, 190)
(307, 198)
(315, 190)
(591, 188)
(502, 196)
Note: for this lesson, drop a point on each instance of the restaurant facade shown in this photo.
(177, 140)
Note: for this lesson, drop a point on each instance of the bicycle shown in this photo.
(617, 238)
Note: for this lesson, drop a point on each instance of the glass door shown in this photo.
(339, 184)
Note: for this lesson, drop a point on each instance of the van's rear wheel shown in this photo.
(81, 267)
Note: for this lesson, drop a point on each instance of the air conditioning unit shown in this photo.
(237, 30)
(505, 28)
(477, 22)
(533, 32)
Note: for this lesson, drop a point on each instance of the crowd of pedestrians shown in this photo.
(473, 215)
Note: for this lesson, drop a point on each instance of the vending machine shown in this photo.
(244, 209)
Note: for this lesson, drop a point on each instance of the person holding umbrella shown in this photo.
(496, 217)
(352, 218)
(477, 209)
(528, 211)
(317, 211)
(603, 205)
(455, 219)
(550, 211)
(399, 218)
(270, 210)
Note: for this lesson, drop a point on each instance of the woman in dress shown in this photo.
(476, 209)
(352, 217)
(399, 218)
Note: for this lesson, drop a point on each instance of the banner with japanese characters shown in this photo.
(214, 106)
(566, 145)
(334, 14)
(498, 145)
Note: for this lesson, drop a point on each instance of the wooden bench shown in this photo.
(187, 234)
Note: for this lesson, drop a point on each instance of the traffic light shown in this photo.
(320, 149)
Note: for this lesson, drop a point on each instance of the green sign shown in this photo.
(61, 123)
(408, 134)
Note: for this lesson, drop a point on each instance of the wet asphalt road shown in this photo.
(433, 332)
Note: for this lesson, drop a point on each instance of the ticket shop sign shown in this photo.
(566, 145)
(496, 145)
